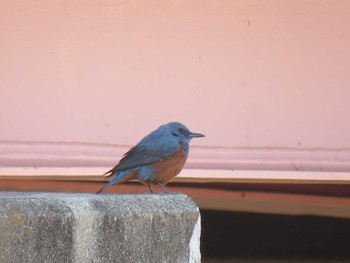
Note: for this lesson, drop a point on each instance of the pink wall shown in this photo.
(248, 74)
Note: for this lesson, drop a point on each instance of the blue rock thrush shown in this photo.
(156, 159)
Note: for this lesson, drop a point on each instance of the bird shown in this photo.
(156, 159)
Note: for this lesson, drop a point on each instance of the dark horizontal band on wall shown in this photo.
(212, 197)
(186, 176)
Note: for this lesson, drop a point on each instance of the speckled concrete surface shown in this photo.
(68, 227)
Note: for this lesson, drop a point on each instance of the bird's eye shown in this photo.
(181, 130)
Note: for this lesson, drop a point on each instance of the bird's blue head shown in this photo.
(179, 130)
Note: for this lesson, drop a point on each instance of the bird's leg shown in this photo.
(149, 185)
(164, 188)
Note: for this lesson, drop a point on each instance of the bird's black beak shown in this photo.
(195, 135)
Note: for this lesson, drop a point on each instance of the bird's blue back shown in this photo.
(156, 159)
(159, 145)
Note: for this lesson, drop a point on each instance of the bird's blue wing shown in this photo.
(154, 147)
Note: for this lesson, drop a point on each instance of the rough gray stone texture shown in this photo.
(61, 227)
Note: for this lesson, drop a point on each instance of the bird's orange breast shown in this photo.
(167, 169)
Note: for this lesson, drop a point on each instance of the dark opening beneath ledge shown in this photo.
(245, 237)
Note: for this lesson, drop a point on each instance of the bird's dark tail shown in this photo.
(117, 178)
(105, 187)
(110, 173)
(111, 182)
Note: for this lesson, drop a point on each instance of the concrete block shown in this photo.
(62, 227)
